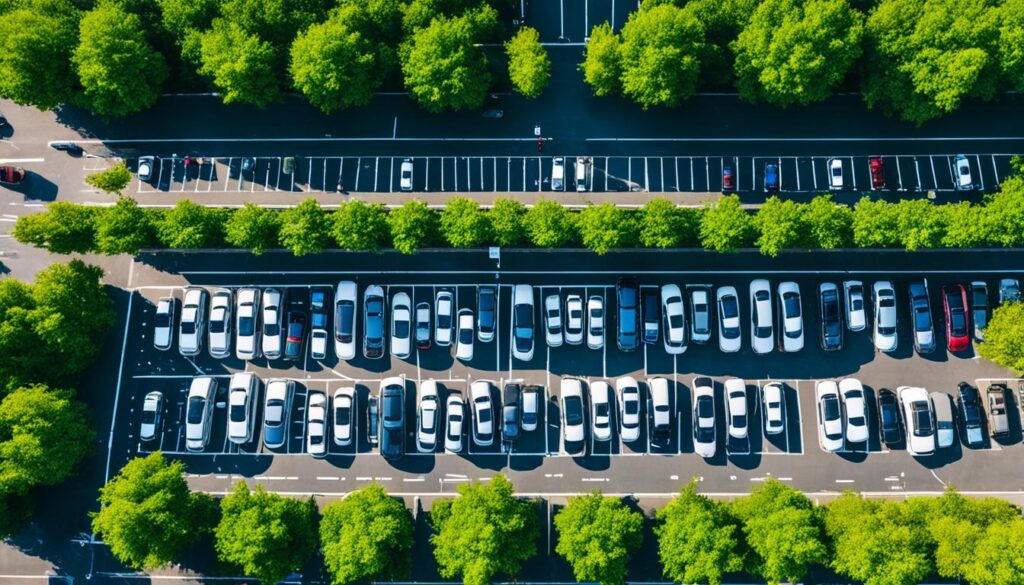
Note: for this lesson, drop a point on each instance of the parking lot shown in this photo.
(464, 174)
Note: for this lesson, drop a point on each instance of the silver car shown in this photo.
(193, 316)
(163, 325)
(455, 423)
(152, 416)
(885, 316)
(272, 319)
(243, 394)
(247, 331)
(219, 329)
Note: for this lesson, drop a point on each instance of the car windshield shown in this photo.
(922, 419)
(729, 307)
(483, 410)
(739, 421)
(343, 321)
(922, 319)
(148, 417)
(163, 320)
(602, 409)
(275, 412)
(791, 302)
(341, 415)
(466, 336)
(237, 413)
(632, 406)
(270, 326)
(705, 407)
(195, 409)
(246, 326)
(888, 415)
(188, 327)
(573, 410)
(392, 410)
(979, 297)
(675, 321)
(217, 323)
(700, 317)
(401, 326)
(830, 406)
(958, 322)
(524, 321)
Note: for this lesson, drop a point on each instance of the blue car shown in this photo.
(771, 177)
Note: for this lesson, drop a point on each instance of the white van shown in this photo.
(583, 170)
(558, 174)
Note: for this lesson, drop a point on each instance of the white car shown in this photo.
(401, 326)
(574, 319)
(193, 315)
(344, 405)
(791, 316)
(428, 416)
(853, 296)
(522, 322)
(247, 332)
(962, 170)
(277, 408)
(454, 423)
(762, 335)
(558, 174)
(145, 169)
(272, 318)
(553, 320)
(729, 336)
(464, 340)
(573, 409)
(674, 317)
(835, 174)
(243, 393)
(704, 441)
(736, 408)
(163, 323)
(660, 412)
(700, 313)
(918, 417)
(601, 410)
(629, 408)
(316, 424)
(774, 408)
(405, 178)
(219, 328)
(595, 322)
(443, 322)
(152, 416)
(199, 412)
(345, 321)
(483, 412)
(885, 316)
(531, 408)
(854, 410)
(830, 416)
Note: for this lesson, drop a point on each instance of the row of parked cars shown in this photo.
(961, 171)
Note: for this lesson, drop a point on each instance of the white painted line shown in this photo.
(21, 160)
(117, 389)
(805, 139)
(327, 477)
(844, 481)
(1008, 270)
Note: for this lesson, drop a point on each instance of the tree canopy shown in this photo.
(239, 63)
(1004, 337)
(660, 55)
(334, 66)
(699, 541)
(190, 225)
(413, 226)
(464, 224)
(36, 43)
(549, 225)
(367, 536)
(529, 67)
(360, 226)
(305, 228)
(726, 226)
(604, 227)
(597, 534)
(255, 228)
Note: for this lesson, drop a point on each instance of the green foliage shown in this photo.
(112, 180)
(253, 227)
(367, 536)
(797, 51)
(782, 530)
(597, 535)
(698, 539)
(377, 20)
(660, 224)
(240, 64)
(999, 555)
(958, 525)
(1011, 41)
(189, 225)
(275, 21)
(464, 224)
(37, 422)
(1004, 337)
(413, 226)
(266, 535)
(1004, 214)
(184, 17)
(875, 224)
(334, 66)
(360, 226)
(64, 228)
(124, 228)
(147, 515)
(305, 228)
(529, 67)
(600, 64)
(549, 225)
(830, 224)
(484, 532)
(604, 227)
(660, 55)
(119, 71)
(725, 225)
(781, 225)
(36, 41)
(722, 20)
(506, 217)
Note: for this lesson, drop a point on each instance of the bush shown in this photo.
(597, 535)
(726, 226)
(188, 225)
(124, 228)
(305, 229)
(64, 228)
(253, 227)
(112, 180)
(604, 227)
(1004, 337)
(367, 536)
(549, 225)
(464, 224)
(506, 219)
(413, 226)
(360, 226)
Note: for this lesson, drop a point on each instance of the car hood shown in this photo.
(273, 435)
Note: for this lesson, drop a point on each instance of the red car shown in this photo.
(728, 181)
(877, 172)
(12, 174)
(954, 302)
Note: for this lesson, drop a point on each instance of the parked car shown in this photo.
(595, 322)
(401, 326)
(917, 412)
(145, 168)
(163, 323)
(774, 408)
(405, 175)
(455, 415)
(979, 308)
(319, 300)
(483, 412)
(243, 395)
(877, 168)
(428, 417)
(316, 424)
(443, 322)
(573, 423)
(288, 165)
(273, 317)
(583, 174)
(522, 322)
(885, 336)
(511, 413)
(791, 317)
(345, 322)
(601, 410)
(392, 415)
(830, 416)
(831, 321)
(736, 418)
(152, 416)
(704, 435)
(835, 174)
(373, 419)
(998, 420)
(660, 411)
(627, 297)
(344, 406)
(558, 174)
(295, 334)
(553, 320)
(700, 313)
(771, 177)
(651, 305)
(945, 432)
(921, 315)
(373, 322)
(962, 171)
(853, 295)
(629, 408)
(247, 331)
(673, 319)
(464, 339)
(531, 407)
(729, 336)
(954, 304)
(11, 175)
(277, 412)
(889, 418)
(199, 412)
(971, 414)
(486, 318)
(219, 328)
(423, 325)
(574, 319)
(854, 409)
(1009, 290)
(193, 316)
(762, 335)
(728, 179)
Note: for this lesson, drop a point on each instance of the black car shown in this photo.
(373, 420)
(295, 335)
(889, 418)
(485, 318)
(627, 297)
(392, 406)
(831, 317)
(373, 325)
(68, 147)
(511, 413)
(651, 306)
(971, 415)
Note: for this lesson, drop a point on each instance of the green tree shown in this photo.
(597, 535)
(722, 20)
(367, 536)
(965, 225)
(998, 555)
(413, 226)
(240, 64)
(829, 224)
(124, 228)
(191, 226)
(919, 224)
(797, 51)
(529, 67)
(1011, 41)
(1003, 219)
(726, 226)
(660, 55)
(1004, 337)
(659, 224)
(506, 217)
(464, 224)
(275, 21)
(266, 535)
(958, 525)
(181, 18)
(781, 224)
(119, 71)
(698, 539)
(783, 531)
(360, 226)
(36, 42)
(483, 532)
(549, 225)
(111, 180)
(334, 66)
(64, 228)
(600, 66)
(875, 224)
(253, 227)
(604, 227)
(305, 228)
(147, 515)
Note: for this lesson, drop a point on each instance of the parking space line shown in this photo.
(935, 178)
(707, 173)
(994, 169)
(899, 175)
(376, 172)
(693, 186)
(917, 170)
